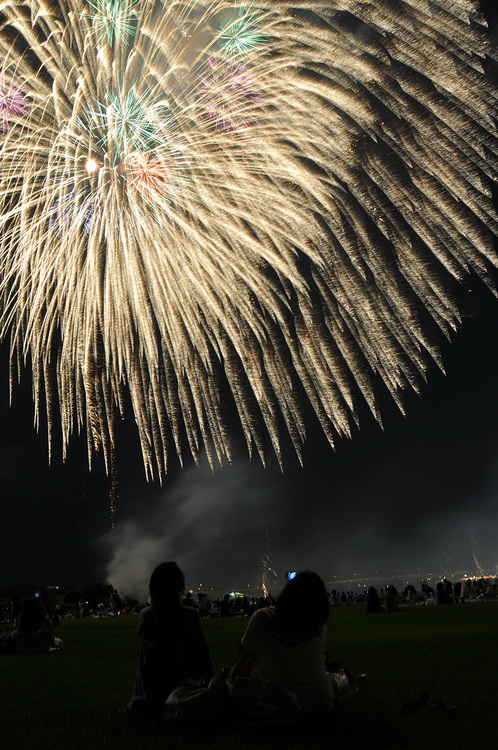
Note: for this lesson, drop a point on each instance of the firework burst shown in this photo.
(65, 212)
(229, 94)
(240, 31)
(112, 20)
(13, 101)
(147, 173)
(289, 249)
(123, 124)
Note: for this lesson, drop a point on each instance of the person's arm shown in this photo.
(248, 651)
(244, 663)
(206, 663)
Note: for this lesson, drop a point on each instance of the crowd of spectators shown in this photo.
(385, 598)
(388, 599)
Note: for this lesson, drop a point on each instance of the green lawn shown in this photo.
(71, 698)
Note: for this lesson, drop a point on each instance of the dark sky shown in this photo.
(419, 495)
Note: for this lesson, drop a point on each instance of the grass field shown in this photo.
(71, 698)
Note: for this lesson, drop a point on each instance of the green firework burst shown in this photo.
(241, 34)
(113, 19)
(123, 124)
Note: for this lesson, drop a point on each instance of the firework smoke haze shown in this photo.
(288, 232)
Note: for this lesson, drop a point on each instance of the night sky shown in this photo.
(418, 496)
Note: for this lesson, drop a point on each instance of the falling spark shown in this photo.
(269, 580)
(113, 490)
(481, 567)
(300, 251)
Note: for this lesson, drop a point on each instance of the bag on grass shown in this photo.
(205, 704)
(257, 703)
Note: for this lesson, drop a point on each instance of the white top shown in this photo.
(295, 662)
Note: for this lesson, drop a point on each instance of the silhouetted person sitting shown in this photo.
(285, 644)
(173, 647)
(34, 629)
(15, 610)
(225, 608)
(442, 596)
(372, 601)
(391, 600)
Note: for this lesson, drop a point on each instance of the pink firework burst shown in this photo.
(229, 94)
(12, 100)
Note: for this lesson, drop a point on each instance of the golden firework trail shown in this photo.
(266, 197)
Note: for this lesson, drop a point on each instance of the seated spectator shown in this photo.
(173, 648)
(225, 608)
(442, 596)
(35, 631)
(202, 604)
(372, 601)
(15, 610)
(285, 644)
(391, 600)
(188, 600)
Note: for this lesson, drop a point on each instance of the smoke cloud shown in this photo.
(212, 523)
(219, 526)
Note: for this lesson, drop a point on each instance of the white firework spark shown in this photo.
(142, 246)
